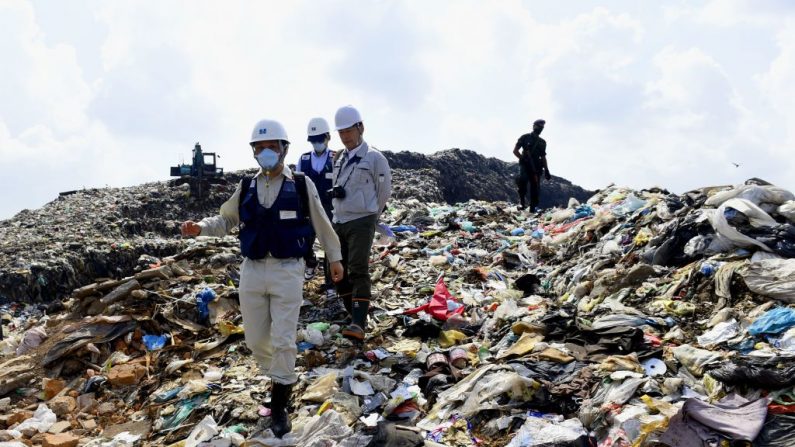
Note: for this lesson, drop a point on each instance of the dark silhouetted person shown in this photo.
(532, 164)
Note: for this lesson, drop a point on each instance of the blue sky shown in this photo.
(634, 93)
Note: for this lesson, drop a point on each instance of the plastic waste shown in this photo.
(205, 430)
(771, 277)
(631, 204)
(773, 322)
(450, 338)
(722, 332)
(322, 388)
(213, 374)
(43, 418)
(313, 336)
(184, 410)
(304, 346)
(517, 232)
(166, 396)
(32, 338)
(540, 431)
(203, 300)
(155, 342)
(403, 228)
(695, 359)
(319, 326)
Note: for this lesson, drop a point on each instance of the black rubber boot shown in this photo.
(280, 398)
(356, 330)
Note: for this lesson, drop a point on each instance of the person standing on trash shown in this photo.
(362, 186)
(318, 165)
(278, 214)
(532, 164)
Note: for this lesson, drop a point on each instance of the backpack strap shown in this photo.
(303, 194)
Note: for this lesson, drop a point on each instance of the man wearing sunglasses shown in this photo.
(278, 214)
(318, 165)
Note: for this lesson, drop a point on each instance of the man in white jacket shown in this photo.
(362, 186)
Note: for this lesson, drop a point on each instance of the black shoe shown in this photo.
(280, 420)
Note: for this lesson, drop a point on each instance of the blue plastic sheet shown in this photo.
(773, 321)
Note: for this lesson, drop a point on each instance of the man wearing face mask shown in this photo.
(532, 163)
(362, 187)
(318, 166)
(278, 214)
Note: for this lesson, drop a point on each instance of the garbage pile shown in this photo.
(637, 318)
(95, 233)
(437, 178)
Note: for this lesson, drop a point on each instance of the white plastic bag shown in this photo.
(203, 431)
(42, 420)
(754, 193)
(771, 277)
(722, 332)
(788, 210)
(726, 232)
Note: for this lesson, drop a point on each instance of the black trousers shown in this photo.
(356, 242)
(527, 176)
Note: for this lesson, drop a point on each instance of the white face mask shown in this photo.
(319, 147)
(268, 160)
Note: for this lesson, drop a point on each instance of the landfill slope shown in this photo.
(458, 175)
(637, 318)
(96, 233)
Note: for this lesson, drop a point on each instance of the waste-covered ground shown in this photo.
(637, 318)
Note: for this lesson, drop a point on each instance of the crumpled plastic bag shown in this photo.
(727, 233)
(322, 388)
(773, 321)
(43, 418)
(544, 432)
(695, 359)
(756, 194)
(787, 210)
(631, 204)
(32, 338)
(755, 376)
(326, 430)
(203, 431)
(722, 332)
(771, 277)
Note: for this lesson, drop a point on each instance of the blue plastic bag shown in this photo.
(403, 228)
(155, 342)
(517, 232)
(773, 321)
(203, 300)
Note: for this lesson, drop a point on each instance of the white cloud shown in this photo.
(632, 96)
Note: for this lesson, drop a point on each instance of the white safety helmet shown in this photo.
(317, 126)
(266, 130)
(346, 117)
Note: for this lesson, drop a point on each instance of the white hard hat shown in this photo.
(346, 117)
(266, 130)
(317, 126)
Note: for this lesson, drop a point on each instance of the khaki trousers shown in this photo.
(271, 293)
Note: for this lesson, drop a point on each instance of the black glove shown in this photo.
(548, 176)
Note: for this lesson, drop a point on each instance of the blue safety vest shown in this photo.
(322, 180)
(284, 230)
